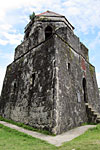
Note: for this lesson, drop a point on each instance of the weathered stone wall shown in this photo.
(27, 101)
(36, 36)
(71, 105)
(72, 68)
(68, 35)
(84, 51)
(92, 88)
(46, 80)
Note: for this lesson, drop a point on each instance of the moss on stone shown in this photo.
(71, 53)
(87, 58)
(21, 59)
(9, 68)
(92, 69)
(43, 18)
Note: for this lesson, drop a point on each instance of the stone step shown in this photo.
(86, 104)
(89, 107)
(98, 117)
(98, 120)
(95, 113)
(93, 110)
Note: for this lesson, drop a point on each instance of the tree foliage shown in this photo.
(32, 16)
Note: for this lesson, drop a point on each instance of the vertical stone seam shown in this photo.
(55, 129)
(57, 100)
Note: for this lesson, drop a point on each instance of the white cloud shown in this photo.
(8, 35)
(13, 38)
(3, 42)
(7, 56)
(5, 27)
(2, 74)
(84, 14)
(98, 79)
(95, 42)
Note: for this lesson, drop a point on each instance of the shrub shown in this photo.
(32, 16)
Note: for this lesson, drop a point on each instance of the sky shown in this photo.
(84, 15)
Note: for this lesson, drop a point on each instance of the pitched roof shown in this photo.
(53, 14)
(48, 13)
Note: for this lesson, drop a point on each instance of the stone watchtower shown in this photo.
(50, 84)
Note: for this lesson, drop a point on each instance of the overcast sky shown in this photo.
(84, 15)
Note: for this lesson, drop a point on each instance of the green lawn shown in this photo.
(13, 140)
(26, 126)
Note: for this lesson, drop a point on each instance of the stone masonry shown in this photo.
(50, 79)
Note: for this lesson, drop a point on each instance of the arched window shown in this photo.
(48, 32)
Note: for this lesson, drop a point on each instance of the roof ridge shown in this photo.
(48, 12)
(54, 13)
(41, 13)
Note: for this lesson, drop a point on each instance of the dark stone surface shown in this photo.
(43, 87)
(31, 103)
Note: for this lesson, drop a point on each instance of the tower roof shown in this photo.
(56, 15)
(52, 16)
(49, 13)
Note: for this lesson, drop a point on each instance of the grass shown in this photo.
(91, 123)
(11, 139)
(90, 140)
(26, 126)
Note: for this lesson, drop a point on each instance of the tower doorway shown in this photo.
(84, 90)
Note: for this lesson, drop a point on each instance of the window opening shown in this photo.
(68, 66)
(15, 86)
(84, 89)
(33, 79)
(48, 32)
